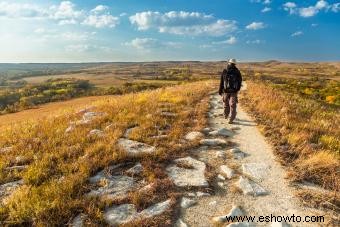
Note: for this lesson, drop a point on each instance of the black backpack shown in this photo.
(231, 81)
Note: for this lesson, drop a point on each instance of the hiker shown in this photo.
(230, 85)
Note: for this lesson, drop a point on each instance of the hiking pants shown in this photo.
(229, 102)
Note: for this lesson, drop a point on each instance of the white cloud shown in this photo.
(266, 2)
(298, 33)
(257, 41)
(17, 10)
(314, 25)
(99, 8)
(80, 48)
(230, 41)
(183, 23)
(266, 9)
(65, 11)
(150, 43)
(255, 26)
(290, 7)
(312, 10)
(101, 21)
(123, 14)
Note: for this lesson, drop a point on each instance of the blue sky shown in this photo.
(152, 30)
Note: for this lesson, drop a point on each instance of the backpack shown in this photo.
(231, 82)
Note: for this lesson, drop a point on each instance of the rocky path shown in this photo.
(248, 179)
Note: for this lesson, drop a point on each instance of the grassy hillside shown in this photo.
(59, 164)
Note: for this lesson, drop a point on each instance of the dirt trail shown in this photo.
(267, 173)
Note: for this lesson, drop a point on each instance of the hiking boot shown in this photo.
(230, 122)
(225, 117)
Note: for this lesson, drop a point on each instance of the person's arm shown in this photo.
(240, 79)
(220, 91)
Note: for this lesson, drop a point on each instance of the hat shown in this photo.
(232, 60)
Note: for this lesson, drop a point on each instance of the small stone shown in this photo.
(8, 188)
(235, 128)
(17, 168)
(89, 116)
(234, 150)
(222, 132)
(220, 177)
(110, 126)
(191, 136)
(213, 142)
(226, 171)
(180, 223)
(213, 203)
(202, 194)
(220, 184)
(186, 202)
(70, 129)
(220, 154)
(96, 132)
(168, 114)
(256, 170)
(136, 170)
(250, 188)
(206, 130)
(191, 194)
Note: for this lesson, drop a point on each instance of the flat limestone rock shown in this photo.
(156, 209)
(135, 148)
(193, 176)
(186, 202)
(222, 132)
(116, 186)
(6, 149)
(89, 116)
(127, 212)
(249, 187)
(213, 142)
(120, 214)
(226, 171)
(8, 188)
(255, 170)
(193, 136)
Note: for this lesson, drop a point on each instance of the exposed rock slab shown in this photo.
(249, 187)
(184, 177)
(255, 170)
(78, 221)
(127, 212)
(135, 148)
(221, 132)
(180, 223)
(8, 188)
(213, 142)
(89, 116)
(115, 186)
(191, 136)
(6, 149)
(96, 132)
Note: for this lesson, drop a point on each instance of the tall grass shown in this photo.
(60, 164)
(305, 130)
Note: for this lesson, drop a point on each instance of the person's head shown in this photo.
(232, 61)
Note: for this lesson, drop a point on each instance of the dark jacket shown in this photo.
(230, 71)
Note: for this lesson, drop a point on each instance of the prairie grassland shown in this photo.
(60, 164)
(305, 131)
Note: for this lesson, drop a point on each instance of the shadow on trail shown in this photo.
(244, 123)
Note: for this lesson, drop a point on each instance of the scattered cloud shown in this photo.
(290, 7)
(266, 9)
(65, 13)
(183, 23)
(257, 41)
(312, 10)
(255, 26)
(314, 25)
(230, 41)
(150, 43)
(298, 33)
(266, 2)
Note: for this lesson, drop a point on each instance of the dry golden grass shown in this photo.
(60, 164)
(305, 132)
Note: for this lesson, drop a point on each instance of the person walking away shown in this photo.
(230, 85)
